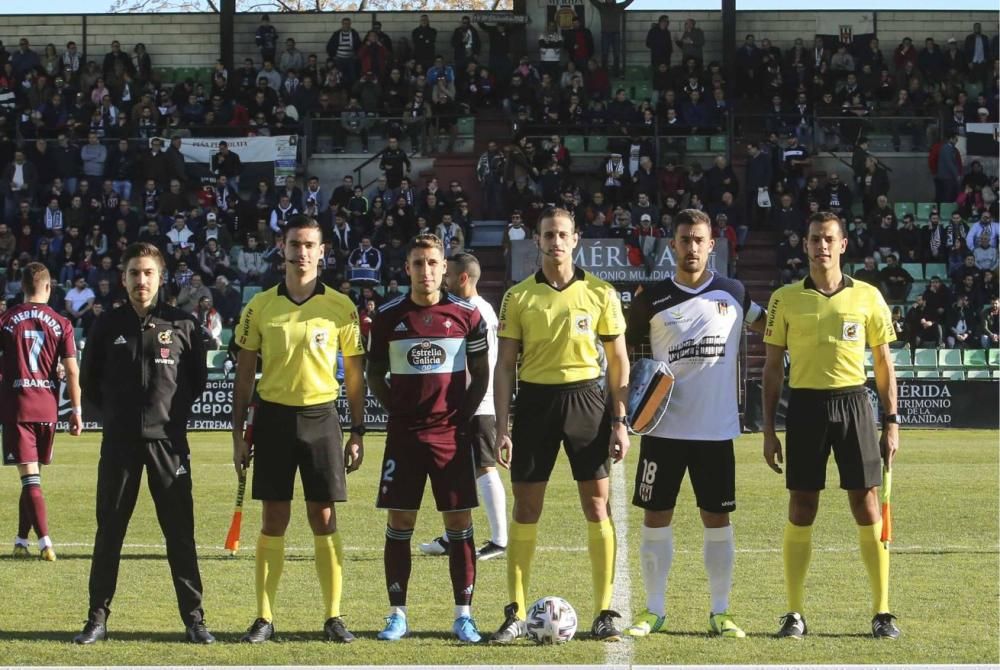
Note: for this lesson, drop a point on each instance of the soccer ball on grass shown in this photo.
(551, 620)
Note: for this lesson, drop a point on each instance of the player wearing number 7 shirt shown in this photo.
(34, 339)
(694, 324)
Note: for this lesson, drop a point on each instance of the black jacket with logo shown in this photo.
(143, 375)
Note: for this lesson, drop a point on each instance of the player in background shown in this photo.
(694, 323)
(34, 339)
(461, 279)
(824, 322)
(426, 341)
(298, 328)
(553, 319)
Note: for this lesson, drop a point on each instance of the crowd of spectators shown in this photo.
(91, 155)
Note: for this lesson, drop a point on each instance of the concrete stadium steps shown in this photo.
(458, 167)
(757, 269)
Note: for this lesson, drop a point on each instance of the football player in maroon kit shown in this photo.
(34, 340)
(426, 341)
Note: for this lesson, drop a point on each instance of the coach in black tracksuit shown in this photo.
(143, 367)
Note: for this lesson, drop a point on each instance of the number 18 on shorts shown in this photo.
(661, 468)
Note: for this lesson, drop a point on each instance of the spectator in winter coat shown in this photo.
(252, 263)
(659, 42)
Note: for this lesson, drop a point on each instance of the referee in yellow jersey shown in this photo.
(298, 327)
(824, 322)
(554, 320)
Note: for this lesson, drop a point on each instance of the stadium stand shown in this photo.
(507, 133)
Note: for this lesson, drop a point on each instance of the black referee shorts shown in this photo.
(840, 420)
(307, 439)
(547, 416)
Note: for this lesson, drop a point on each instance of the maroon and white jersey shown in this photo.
(33, 339)
(426, 350)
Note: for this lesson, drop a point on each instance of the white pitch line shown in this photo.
(622, 547)
(619, 654)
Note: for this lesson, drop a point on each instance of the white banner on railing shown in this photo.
(270, 155)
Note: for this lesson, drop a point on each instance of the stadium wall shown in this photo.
(192, 40)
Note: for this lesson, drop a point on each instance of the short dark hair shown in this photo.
(691, 217)
(33, 275)
(469, 264)
(427, 241)
(300, 221)
(143, 250)
(823, 217)
(554, 213)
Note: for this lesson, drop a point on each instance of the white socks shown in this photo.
(44, 542)
(463, 610)
(656, 552)
(495, 502)
(401, 611)
(720, 554)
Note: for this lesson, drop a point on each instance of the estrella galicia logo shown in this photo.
(426, 356)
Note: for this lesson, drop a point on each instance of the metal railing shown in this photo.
(78, 133)
(596, 139)
(886, 134)
(418, 136)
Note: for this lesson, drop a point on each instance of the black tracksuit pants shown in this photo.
(169, 479)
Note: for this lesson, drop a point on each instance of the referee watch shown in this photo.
(619, 419)
(890, 418)
(359, 430)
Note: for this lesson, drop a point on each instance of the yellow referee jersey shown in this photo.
(299, 343)
(826, 335)
(558, 328)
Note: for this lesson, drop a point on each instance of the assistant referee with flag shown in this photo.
(824, 322)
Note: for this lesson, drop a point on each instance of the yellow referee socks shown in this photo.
(520, 551)
(796, 550)
(876, 558)
(270, 561)
(330, 570)
(601, 547)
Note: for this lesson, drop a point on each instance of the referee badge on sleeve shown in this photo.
(650, 387)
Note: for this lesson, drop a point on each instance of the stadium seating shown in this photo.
(935, 270)
(901, 358)
(637, 72)
(214, 359)
(916, 270)
(643, 90)
(467, 126)
(925, 359)
(946, 209)
(574, 144)
(249, 292)
(949, 359)
(597, 144)
(924, 210)
(903, 208)
(974, 358)
(697, 143)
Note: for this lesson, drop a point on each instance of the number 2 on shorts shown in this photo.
(390, 468)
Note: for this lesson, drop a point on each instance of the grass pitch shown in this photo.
(944, 573)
